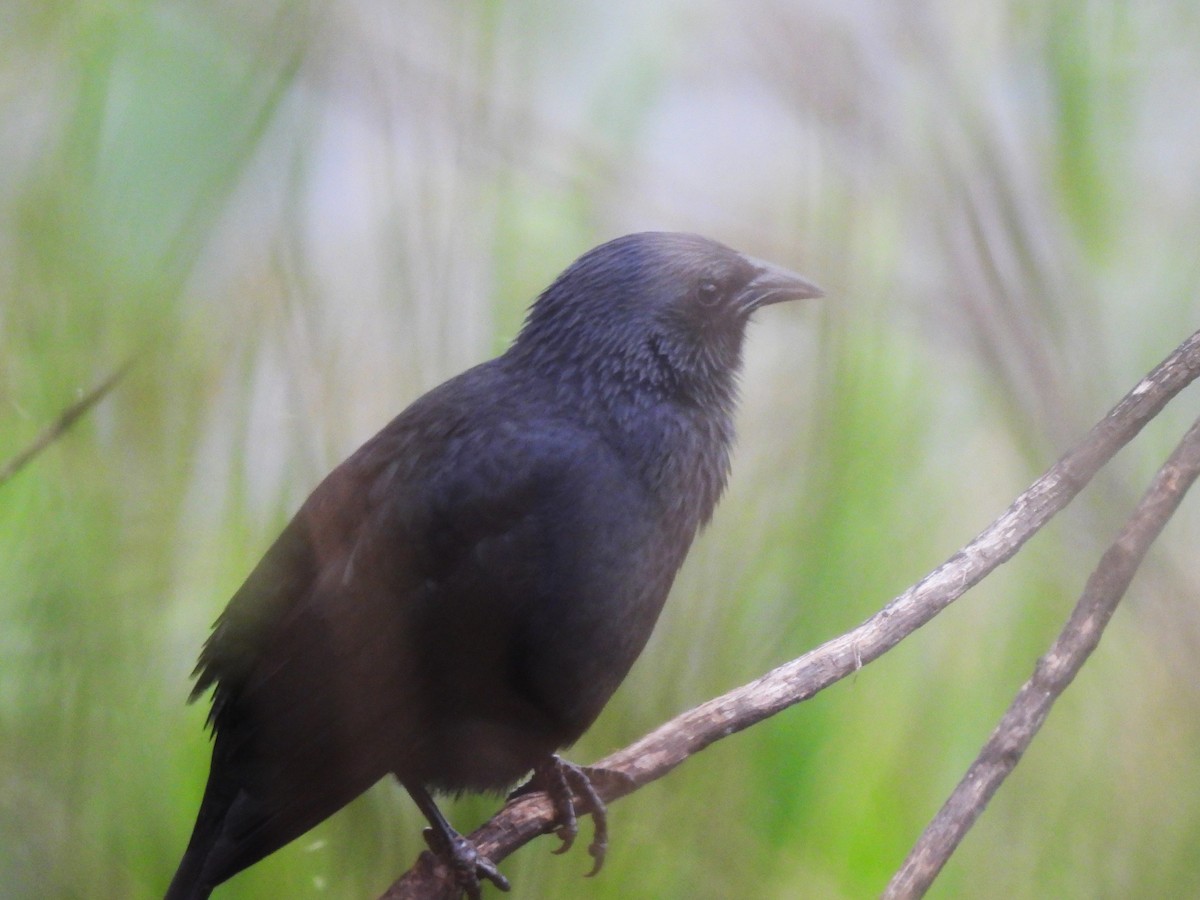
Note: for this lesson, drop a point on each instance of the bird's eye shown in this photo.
(708, 293)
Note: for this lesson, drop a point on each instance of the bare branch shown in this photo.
(59, 426)
(1054, 672)
(662, 750)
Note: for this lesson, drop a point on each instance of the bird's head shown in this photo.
(657, 313)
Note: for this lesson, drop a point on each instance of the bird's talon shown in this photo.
(567, 835)
(597, 851)
(563, 781)
(487, 869)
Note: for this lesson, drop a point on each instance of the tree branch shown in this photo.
(662, 750)
(59, 426)
(1054, 672)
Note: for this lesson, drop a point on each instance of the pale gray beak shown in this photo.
(774, 284)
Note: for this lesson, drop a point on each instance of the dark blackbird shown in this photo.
(459, 599)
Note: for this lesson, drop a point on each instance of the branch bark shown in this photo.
(662, 750)
(1054, 672)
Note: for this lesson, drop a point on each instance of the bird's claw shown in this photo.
(557, 787)
(563, 781)
(468, 864)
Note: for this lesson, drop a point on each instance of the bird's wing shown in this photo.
(274, 772)
(470, 564)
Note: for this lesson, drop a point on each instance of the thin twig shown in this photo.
(662, 750)
(1054, 672)
(59, 426)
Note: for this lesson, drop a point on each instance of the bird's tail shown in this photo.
(186, 884)
(234, 829)
(192, 881)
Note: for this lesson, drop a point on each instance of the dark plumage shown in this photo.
(459, 599)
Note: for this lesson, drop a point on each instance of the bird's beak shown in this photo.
(774, 284)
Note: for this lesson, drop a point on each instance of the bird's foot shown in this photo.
(470, 867)
(455, 851)
(564, 782)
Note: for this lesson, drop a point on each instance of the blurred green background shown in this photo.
(299, 216)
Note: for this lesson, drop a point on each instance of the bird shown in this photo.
(457, 601)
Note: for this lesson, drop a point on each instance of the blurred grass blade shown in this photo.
(62, 424)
